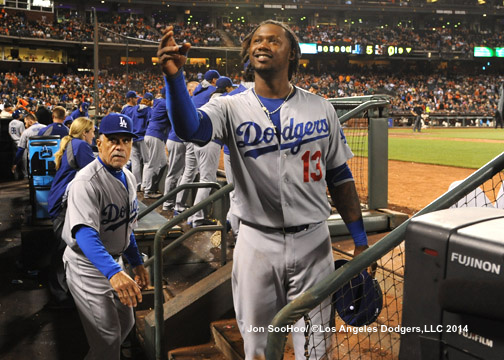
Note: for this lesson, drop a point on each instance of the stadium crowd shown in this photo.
(113, 28)
(438, 93)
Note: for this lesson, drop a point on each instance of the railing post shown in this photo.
(378, 163)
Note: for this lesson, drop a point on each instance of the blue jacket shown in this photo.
(140, 119)
(83, 155)
(77, 113)
(202, 94)
(54, 129)
(159, 123)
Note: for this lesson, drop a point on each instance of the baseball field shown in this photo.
(423, 165)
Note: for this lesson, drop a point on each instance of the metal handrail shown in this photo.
(159, 252)
(174, 192)
(293, 311)
(362, 107)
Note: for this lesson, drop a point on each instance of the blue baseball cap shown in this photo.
(211, 74)
(148, 96)
(360, 301)
(68, 120)
(85, 105)
(224, 82)
(115, 123)
(131, 94)
(18, 113)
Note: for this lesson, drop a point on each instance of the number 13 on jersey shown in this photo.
(311, 166)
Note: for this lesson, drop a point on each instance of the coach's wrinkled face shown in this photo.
(115, 149)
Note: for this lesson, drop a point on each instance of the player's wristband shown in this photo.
(358, 232)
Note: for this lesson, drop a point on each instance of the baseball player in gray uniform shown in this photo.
(16, 128)
(32, 129)
(286, 148)
(102, 210)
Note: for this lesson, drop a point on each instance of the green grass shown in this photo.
(433, 146)
(459, 133)
(451, 153)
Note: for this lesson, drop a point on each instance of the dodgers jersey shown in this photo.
(98, 200)
(16, 128)
(280, 183)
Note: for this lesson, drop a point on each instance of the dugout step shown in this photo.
(206, 352)
(187, 317)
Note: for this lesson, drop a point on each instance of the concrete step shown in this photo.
(206, 351)
(228, 339)
(187, 316)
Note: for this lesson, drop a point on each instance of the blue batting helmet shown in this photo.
(360, 301)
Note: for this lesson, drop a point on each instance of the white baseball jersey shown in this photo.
(98, 200)
(16, 128)
(280, 183)
(28, 133)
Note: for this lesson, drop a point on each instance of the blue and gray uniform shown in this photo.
(140, 115)
(155, 139)
(284, 244)
(100, 217)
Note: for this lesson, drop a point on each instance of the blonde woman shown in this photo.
(75, 153)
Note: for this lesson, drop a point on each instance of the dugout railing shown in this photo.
(220, 197)
(365, 123)
(388, 253)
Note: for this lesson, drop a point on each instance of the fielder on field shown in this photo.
(286, 147)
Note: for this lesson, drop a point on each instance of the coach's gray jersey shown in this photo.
(272, 188)
(98, 200)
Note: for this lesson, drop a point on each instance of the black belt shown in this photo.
(285, 230)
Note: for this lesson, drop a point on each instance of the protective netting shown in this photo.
(356, 133)
(489, 194)
(332, 338)
(377, 340)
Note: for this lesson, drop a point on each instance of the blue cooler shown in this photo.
(41, 210)
(42, 168)
(41, 151)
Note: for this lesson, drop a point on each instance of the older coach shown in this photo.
(102, 211)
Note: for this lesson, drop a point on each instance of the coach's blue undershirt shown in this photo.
(91, 245)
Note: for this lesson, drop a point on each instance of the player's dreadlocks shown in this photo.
(294, 43)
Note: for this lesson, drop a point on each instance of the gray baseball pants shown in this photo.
(233, 219)
(270, 269)
(139, 153)
(155, 164)
(176, 164)
(106, 321)
(190, 170)
(208, 158)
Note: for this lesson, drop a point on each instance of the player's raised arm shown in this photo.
(171, 56)
(183, 115)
